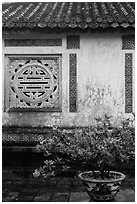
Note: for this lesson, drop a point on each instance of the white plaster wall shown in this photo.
(101, 75)
(100, 81)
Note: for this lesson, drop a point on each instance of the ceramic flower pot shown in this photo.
(102, 189)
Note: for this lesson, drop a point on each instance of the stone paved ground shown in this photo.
(20, 186)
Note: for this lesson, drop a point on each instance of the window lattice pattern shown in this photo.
(128, 42)
(32, 42)
(128, 83)
(73, 42)
(73, 82)
(34, 83)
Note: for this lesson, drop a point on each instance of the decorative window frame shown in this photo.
(128, 42)
(7, 107)
(51, 42)
(73, 41)
(73, 82)
(128, 47)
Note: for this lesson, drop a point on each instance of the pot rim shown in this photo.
(102, 181)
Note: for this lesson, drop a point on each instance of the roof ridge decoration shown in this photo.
(68, 15)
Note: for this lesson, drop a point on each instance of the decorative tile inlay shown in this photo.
(24, 134)
(32, 42)
(128, 83)
(22, 137)
(128, 58)
(73, 82)
(73, 42)
(128, 42)
(128, 79)
(34, 82)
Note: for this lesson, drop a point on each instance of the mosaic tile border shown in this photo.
(24, 135)
(128, 83)
(128, 42)
(73, 82)
(32, 42)
(27, 135)
(73, 42)
(22, 138)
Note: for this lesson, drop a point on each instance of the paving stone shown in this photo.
(77, 181)
(63, 187)
(45, 197)
(79, 197)
(6, 186)
(38, 185)
(24, 198)
(60, 197)
(56, 189)
(128, 183)
(19, 181)
(44, 184)
(78, 188)
(29, 191)
(10, 177)
(14, 188)
(65, 180)
(8, 182)
(50, 189)
(10, 197)
(4, 198)
(132, 183)
(27, 186)
(4, 190)
(126, 195)
(50, 182)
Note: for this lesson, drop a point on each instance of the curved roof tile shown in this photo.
(68, 14)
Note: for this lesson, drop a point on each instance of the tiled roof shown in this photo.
(68, 14)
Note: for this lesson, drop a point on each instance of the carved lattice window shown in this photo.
(73, 83)
(33, 83)
(128, 83)
(128, 42)
(73, 42)
(32, 42)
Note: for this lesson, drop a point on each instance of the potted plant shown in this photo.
(117, 146)
(91, 153)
